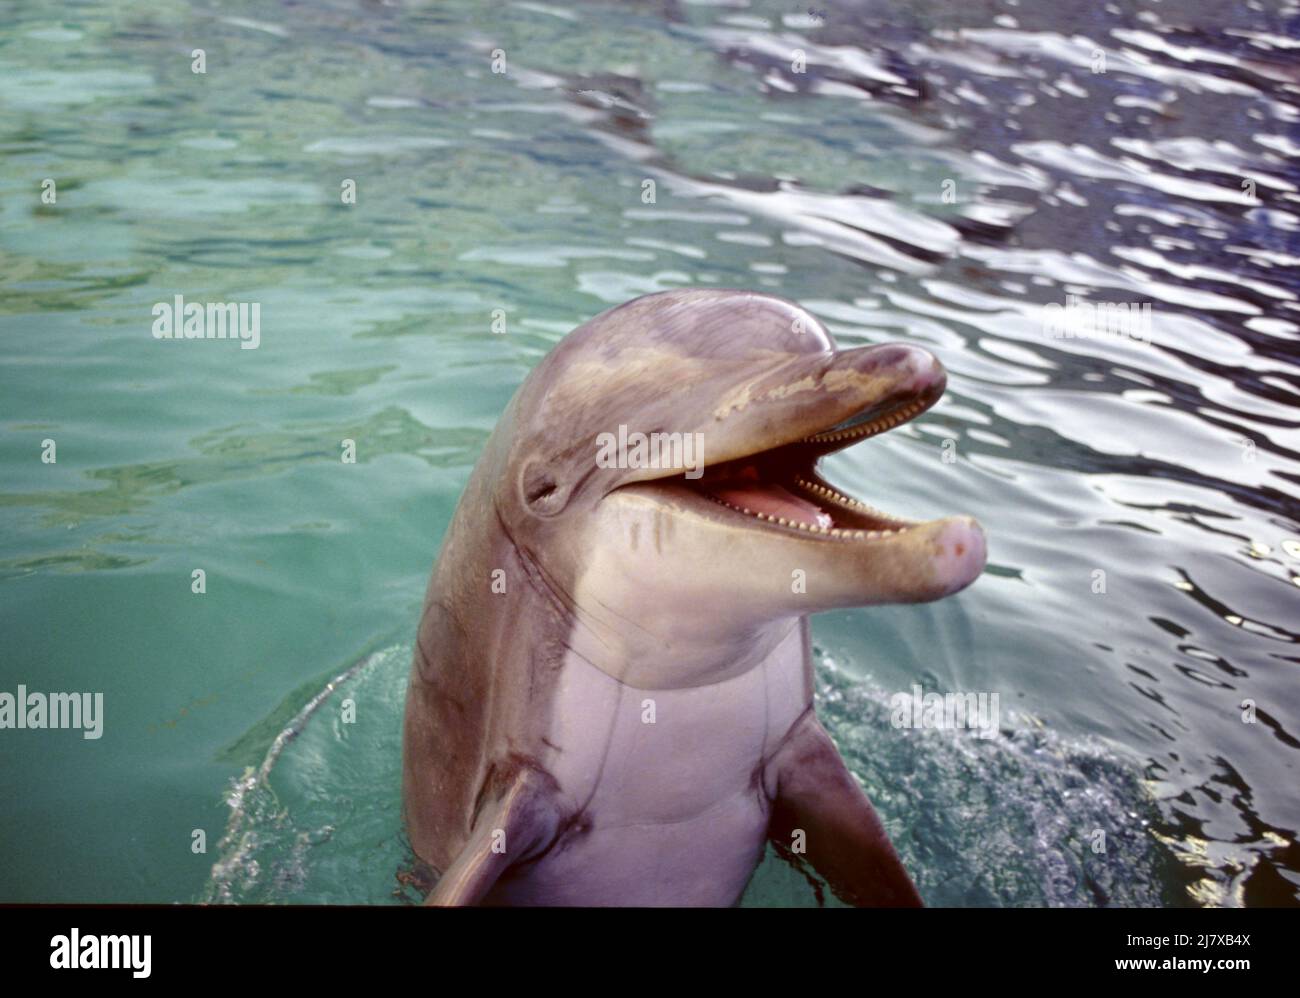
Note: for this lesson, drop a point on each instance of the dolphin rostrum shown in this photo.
(611, 698)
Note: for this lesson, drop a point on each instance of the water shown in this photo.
(939, 173)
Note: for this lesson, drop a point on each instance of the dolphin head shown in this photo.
(660, 470)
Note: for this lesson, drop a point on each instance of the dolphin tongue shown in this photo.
(775, 502)
(746, 491)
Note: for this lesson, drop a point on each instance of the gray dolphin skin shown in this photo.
(611, 698)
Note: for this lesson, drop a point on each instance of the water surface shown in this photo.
(937, 175)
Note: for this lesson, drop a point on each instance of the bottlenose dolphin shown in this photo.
(611, 695)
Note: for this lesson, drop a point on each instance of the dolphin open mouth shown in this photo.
(769, 434)
(781, 487)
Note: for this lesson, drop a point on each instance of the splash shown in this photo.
(1027, 818)
(1008, 821)
(306, 824)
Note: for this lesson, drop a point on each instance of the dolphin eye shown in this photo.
(541, 491)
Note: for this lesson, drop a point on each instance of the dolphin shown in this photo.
(611, 693)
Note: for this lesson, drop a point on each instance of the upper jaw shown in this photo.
(898, 383)
(899, 408)
(808, 406)
(772, 479)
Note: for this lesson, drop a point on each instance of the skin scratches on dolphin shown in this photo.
(831, 380)
(628, 715)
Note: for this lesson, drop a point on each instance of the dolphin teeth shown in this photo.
(815, 528)
(900, 524)
(868, 429)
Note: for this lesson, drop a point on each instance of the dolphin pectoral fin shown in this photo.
(470, 876)
(515, 826)
(843, 836)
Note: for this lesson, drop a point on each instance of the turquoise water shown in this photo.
(1172, 466)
